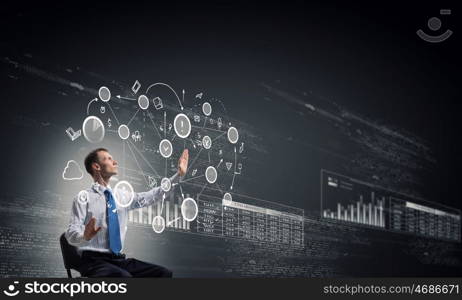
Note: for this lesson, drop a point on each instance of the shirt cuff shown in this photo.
(77, 240)
(83, 241)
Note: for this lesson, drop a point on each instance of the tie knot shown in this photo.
(107, 193)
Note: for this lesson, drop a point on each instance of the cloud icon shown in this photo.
(72, 171)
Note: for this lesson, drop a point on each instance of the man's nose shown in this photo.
(115, 163)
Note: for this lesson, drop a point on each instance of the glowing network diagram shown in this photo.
(195, 126)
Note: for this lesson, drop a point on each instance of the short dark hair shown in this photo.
(91, 158)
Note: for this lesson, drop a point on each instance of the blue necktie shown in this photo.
(113, 224)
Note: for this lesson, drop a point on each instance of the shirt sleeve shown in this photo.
(76, 228)
(153, 196)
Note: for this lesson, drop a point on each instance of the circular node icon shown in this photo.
(104, 94)
(182, 125)
(83, 196)
(165, 148)
(211, 174)
(165, 184)
(123, 193)
(93, 129)
(206, 142)
(189, 209)
(143, 102)
(233, 135)
(434, 23)
(207, 109)
(124, 132)
(158, 224)
(227, 197)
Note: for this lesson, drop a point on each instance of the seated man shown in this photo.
(98, 230)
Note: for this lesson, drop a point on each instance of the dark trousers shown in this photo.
(96, 264)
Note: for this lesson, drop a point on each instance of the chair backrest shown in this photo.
(71, 257)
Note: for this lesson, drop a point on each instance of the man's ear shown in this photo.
(96, 167)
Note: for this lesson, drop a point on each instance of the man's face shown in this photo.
(107, 165)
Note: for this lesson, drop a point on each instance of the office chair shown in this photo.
(70, 256)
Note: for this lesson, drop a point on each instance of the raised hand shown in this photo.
(90, 229)
(183, 163)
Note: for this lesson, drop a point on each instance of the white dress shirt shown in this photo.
(96, 206)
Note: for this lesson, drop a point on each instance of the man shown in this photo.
(98, 230)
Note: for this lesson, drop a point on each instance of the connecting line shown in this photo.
(169, 87)
(205, 122)
(154, 125)
(208, 153)
(201, 190)
(110, 107)
(234, 173)
(235, 159)
(194, 145)
(173, 221)
(165, 167)
(134, 157)
(192, 178)
(165, 124)
(206, 128)
(181, 189)
(125, 98)
(220, 135)
(145, 160)
(221, 160)
(232, 183)
(194, 160)
(124, 160)
(219, 188)
(162, 205)
(88, 106)
(133, 116)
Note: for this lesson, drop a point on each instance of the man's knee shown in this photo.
(107, 272)
(143, 269)
(120, 273)
(159, 271)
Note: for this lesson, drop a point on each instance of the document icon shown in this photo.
(136, 86)
(158, 103)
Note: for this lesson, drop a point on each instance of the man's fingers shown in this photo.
(90, 229)
(92, 224)
(183, 162)
(185, 155)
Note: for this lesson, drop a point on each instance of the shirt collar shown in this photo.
(100, 188)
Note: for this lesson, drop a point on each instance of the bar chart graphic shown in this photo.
(346, 200)
(255, 220)
(171, 213)
(358, 202)
(370, 213)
